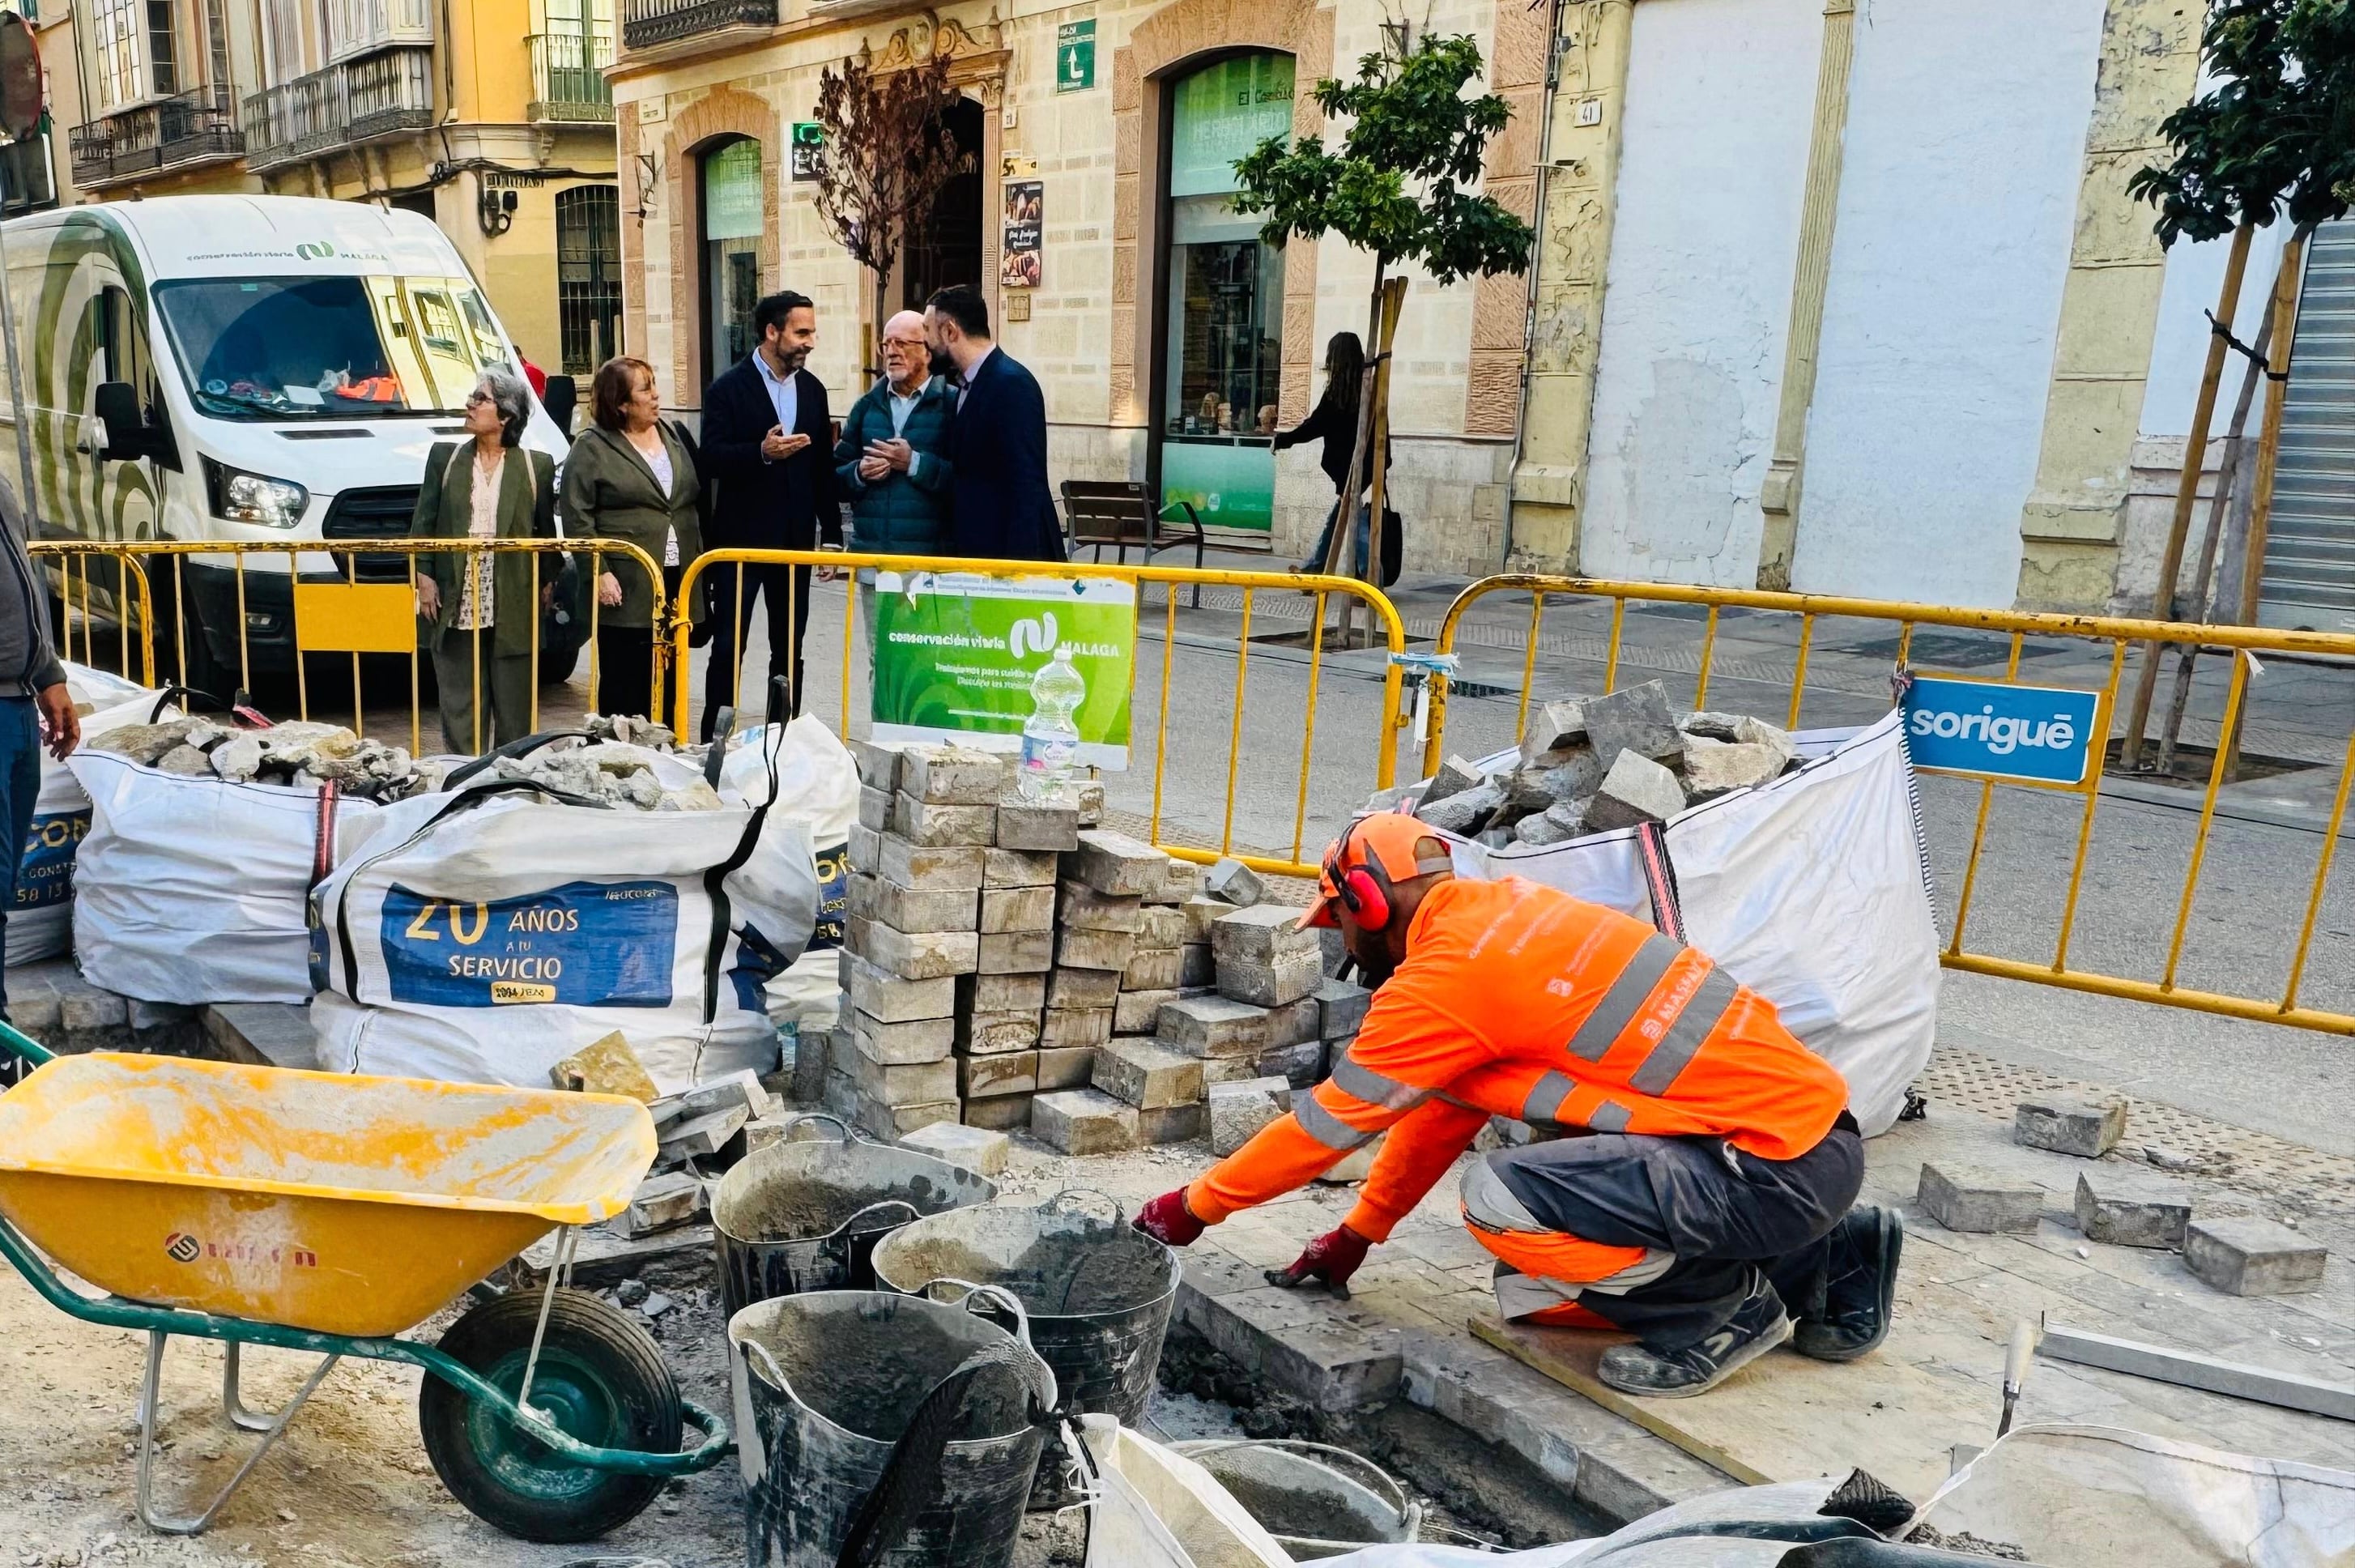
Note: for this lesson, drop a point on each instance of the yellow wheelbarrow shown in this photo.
(324, 1213)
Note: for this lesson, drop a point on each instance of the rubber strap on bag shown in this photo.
(1661, 878)
(715, 881)
(322, 833)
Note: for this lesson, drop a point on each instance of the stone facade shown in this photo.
(1095, 331)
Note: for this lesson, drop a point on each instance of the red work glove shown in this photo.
(1332, 1257)
(1168, 1221)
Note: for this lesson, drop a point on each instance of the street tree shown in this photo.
(888, 151)
(2271, 135)
(1400, 187)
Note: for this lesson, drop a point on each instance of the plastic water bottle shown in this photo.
(1051, 741)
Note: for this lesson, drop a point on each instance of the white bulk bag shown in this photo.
(817, 787)
(40, 924)
(194, 890)
(1812, 889)
(488, 933)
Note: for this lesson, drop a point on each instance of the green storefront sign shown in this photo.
(954, 654)
(1075, 56)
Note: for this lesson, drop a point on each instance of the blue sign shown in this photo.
(44, 872)
(2036, 735)
(584, 944)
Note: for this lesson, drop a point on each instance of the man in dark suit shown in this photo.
(768, 443)
(998, 448)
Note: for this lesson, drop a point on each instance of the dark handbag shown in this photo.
(1392, 528)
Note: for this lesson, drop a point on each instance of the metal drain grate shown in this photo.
(2291, 1174)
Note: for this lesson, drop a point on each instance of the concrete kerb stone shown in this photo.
(977, 1149)
(2069, 1126)
(1972, 1198)
(2248, 1256)
(1116, 863)
(1309, 1346)
(2122, 1209)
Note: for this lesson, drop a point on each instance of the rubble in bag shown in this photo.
(1589, 764)
(612, 773)
(630, 731)
(301, 755)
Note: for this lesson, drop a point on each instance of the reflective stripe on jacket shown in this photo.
(1520, 1001)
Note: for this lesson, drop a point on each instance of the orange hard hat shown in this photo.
(1387, 839)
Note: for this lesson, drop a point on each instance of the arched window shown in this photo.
(731, 252)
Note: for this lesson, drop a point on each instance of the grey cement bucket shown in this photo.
(1097, 1291)
(827, 1382)
(805, 1214)
(1301, 1494)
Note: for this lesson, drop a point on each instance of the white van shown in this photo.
(247, 371)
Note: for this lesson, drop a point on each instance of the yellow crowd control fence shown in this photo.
(221, 615)
(720, 585)
(2102, 643)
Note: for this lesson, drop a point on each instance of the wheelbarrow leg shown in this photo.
(150, 1389)
(233, 1397)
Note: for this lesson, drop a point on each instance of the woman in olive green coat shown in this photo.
(631, 477)
(478, 618)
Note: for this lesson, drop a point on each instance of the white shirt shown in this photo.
(900, 409)
(658, 461)
(784, 395)
(477, 601)
(972, 373)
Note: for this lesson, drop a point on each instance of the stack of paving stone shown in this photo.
(1589, 764)
(949, 941)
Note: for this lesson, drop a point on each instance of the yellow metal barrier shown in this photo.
(337, 611)
(1391, 630)
(2242, 643)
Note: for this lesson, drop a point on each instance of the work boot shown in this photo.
(1757, 1326)
(1860, 1289)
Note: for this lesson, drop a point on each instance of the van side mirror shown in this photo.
(127, 437)
(561, 399)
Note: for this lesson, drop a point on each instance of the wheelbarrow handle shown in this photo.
(24, 1046)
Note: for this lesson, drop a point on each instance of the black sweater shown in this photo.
(1338, 429)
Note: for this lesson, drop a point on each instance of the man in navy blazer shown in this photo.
(998, 448)
(768, 441)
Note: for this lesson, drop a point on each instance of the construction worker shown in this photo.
(1701, 1203)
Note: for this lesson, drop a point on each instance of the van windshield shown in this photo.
(334, 347)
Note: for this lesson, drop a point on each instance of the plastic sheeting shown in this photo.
(194, 890)
(484, 936)
(1811, 890)
(1154, 1508)
(2103, 1496)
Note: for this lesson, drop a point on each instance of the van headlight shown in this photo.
(242, 497)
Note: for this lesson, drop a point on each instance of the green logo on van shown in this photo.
(315, 250)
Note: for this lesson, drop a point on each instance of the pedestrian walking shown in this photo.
(767, 445)
(480, 619)
(35, 709)
(889, 462)
(632, 477)
(1002, 509)
(1334, 422)
(1709, 1205)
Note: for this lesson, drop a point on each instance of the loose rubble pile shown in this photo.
(301, 755)
(1589, 764)
(2226, 1241)
(1007, 966)
(609, 772)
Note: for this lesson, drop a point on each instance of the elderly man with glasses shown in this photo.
(888, 460)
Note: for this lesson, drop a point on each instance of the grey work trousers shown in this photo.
(499, 695)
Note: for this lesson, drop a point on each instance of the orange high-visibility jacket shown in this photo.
(1520, 1001)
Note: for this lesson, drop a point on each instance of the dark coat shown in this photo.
(905, 514)
(761, 504)
(998, 449)
(611, 494)
(1338, 429)
(445, 507)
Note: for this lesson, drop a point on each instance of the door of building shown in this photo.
(731, 255)
(2309, 577)
(1222, 322)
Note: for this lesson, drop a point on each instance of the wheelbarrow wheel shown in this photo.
(602, 1379)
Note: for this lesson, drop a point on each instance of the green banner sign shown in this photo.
(954, 654)
(1075, 56)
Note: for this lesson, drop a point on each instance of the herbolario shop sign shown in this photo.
(954, 654)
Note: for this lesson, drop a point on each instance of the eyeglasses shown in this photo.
(912, 344)
(478, 396)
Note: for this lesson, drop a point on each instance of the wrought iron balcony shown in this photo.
(568, 77)
(645, 22)
(187, 128)
(381, 94)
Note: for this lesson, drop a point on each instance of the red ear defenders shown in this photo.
(1364, 890)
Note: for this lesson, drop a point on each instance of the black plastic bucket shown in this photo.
(826, 1384)
(805, 1214)
(1098, 1294)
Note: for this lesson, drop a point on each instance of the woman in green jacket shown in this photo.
(478, 618)
(631, 477)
